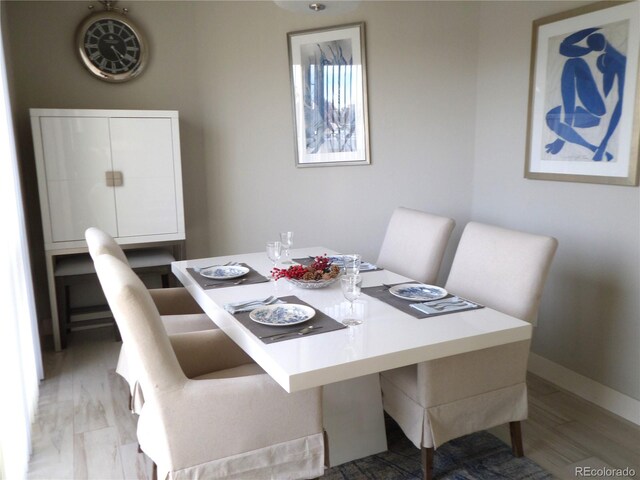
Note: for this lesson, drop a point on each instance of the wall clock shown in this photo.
(111, 46)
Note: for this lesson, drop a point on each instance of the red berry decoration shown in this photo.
(319, 269)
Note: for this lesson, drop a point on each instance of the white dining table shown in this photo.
(346, 362)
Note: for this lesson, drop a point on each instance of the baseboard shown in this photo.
(603, 396)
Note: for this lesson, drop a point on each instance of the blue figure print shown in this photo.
(582, 104)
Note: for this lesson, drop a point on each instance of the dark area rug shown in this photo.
(478, 456)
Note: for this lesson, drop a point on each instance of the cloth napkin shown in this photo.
(245, 306)
(445, 305)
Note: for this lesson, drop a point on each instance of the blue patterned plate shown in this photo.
(364, 266)
(282, 315)
(418, 291)
(224, 272)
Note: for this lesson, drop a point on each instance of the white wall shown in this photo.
(421, 124)
(590, 314)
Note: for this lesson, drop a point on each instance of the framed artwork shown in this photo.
(329, 90)
(583, 96)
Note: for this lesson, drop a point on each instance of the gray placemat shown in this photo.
(381, 292)
(307, 261)
(248, 279)
(320, 319)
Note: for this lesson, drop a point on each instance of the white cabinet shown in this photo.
(118, 170)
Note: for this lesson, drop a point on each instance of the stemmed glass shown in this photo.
(351, 264)
(286, 238)
(274, 251)
(351, 285)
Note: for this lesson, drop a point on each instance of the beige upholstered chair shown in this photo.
(415, 243)
(436, 401)
(231, 422)
(180, 313)
(170, 301)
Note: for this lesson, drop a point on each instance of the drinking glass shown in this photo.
(286, 238)
(274, 250)
(351, 285)
(351, 264)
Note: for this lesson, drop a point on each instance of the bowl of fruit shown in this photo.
(318, 274)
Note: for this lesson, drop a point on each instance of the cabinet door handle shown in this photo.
(118, 179)
(114, 179)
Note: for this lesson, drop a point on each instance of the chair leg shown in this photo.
(427, 463)
(326, 449)
(154, 472)
(516, 439)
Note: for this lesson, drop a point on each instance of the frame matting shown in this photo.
(329, 89)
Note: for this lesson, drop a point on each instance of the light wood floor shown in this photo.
(84, 430)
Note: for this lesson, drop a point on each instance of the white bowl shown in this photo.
(313, 283)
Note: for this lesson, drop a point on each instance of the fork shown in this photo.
(221, 283)
(247, 307)
(228, 264)
(302, 331)
(444, 305)
(266, 301)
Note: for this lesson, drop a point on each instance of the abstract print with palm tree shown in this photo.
(330, 96)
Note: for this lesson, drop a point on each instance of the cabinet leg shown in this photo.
(62, 307)
(65, 316)
(53, 299)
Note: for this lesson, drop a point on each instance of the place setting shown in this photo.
(353, 264)
(350, 263)
(228, 275)
(420, 300)
(274, 319)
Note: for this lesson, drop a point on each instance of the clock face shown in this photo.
(111, 47)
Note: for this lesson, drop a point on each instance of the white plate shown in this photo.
(364, 266)
(418, 291)
(224, 272)
(282, 315)
(337, 259)
(367, 267)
